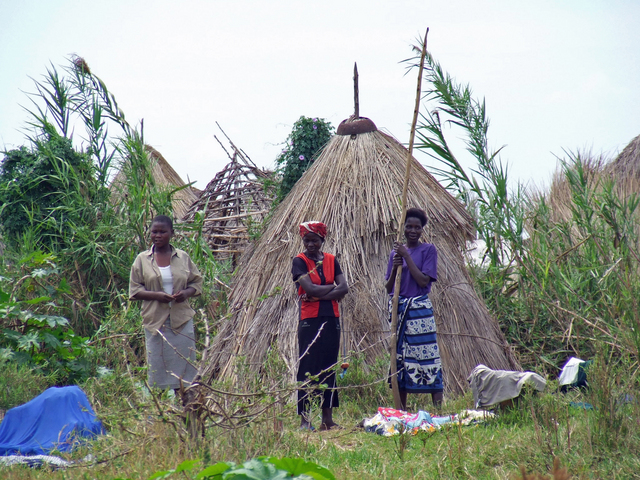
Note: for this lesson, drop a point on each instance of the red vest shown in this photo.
(311, 309)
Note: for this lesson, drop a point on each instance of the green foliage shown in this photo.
(261, 468)
(578, 283)
(498, 212)
(142, 438)
(561, 274)
(364, 394)
(55, 196)
(21, 383)
(49, 187)
(302, 147)
(32, 334)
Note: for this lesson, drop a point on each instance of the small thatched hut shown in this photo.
(355, 186)
(232, 202)
(624, 171)
(164, 176)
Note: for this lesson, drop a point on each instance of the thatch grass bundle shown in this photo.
(627, 164)
(354, 187)
(594, 174)
(165, 177)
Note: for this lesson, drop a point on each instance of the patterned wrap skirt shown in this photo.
(166, 359)
(417, 355)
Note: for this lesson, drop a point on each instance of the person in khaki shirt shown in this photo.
(164, 278)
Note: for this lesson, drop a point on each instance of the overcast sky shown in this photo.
(555, 74)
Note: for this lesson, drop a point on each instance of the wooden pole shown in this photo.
(396, 291)
(356, 92)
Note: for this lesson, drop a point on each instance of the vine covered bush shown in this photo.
(302, 147)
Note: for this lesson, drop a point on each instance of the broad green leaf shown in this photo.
(35, 301)
(213, 470)
(298, 466)
(103, 371)
(51, 340)
(6, 354)
(52, 320)
(29, 341)
(40, 272)
(11, 334)
(163, 474)
(187, 465)
(257, 470)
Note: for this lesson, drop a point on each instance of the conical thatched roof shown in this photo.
(164, 175)
(231, 202)
(627, 164)
(355, 187)
(624, 171)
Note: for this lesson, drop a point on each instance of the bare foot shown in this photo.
(329, 426)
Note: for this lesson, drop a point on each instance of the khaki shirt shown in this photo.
(145, 275)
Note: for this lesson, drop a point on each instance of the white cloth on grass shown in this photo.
(491, 387)
(569, 373)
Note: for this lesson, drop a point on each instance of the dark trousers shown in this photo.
(319, 345)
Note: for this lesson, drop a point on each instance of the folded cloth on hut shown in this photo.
(54, 420)
(491, 387)
(389, 421)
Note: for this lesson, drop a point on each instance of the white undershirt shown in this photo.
(167, 279)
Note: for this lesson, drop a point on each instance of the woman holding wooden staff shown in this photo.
(417, 355)
(321, 284)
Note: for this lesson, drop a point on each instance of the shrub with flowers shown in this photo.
(302, 147)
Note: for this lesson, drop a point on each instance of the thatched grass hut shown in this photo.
(627, 163)
(232, 202)
(355, 186)
(164, 176)
(624, 171)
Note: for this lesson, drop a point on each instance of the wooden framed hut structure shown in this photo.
(232, 202)
(355, 186)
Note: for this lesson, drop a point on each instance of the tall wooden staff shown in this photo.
(396, 291)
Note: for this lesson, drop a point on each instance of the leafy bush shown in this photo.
(302, 146)
(32, 334)
(48, 187)
(55, 195)
(261, 468)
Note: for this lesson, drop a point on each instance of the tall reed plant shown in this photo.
(559, 269)
(93, 231)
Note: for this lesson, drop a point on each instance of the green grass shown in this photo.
(589, 443)
(19, 383)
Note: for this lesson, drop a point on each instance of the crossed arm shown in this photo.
(335, 291)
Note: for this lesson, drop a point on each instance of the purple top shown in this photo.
(425, 256)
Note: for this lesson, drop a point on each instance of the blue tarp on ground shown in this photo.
(54, 420)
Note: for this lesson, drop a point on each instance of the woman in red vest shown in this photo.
(321, 284)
